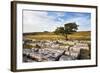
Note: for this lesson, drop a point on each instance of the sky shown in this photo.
(39, 21)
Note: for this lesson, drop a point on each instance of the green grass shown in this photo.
(83, 35)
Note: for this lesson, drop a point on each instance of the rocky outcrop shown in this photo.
(55, 51)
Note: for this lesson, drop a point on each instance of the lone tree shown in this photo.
(60, 30)
(68, 28)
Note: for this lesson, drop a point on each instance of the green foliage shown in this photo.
(59, 30)
(70, 27)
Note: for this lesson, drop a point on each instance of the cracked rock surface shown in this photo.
(40, 51)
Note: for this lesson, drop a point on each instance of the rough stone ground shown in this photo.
(53, 50)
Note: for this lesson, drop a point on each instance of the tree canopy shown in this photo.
(67, 29)
(70, 28)
(59, 30)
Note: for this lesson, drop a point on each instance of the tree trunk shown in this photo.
(66, 37)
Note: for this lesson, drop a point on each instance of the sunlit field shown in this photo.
(83, 35)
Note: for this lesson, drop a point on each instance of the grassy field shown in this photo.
(82, 35)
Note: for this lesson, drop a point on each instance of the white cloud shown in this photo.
(37, 21)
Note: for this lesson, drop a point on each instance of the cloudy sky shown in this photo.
(39, 21)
